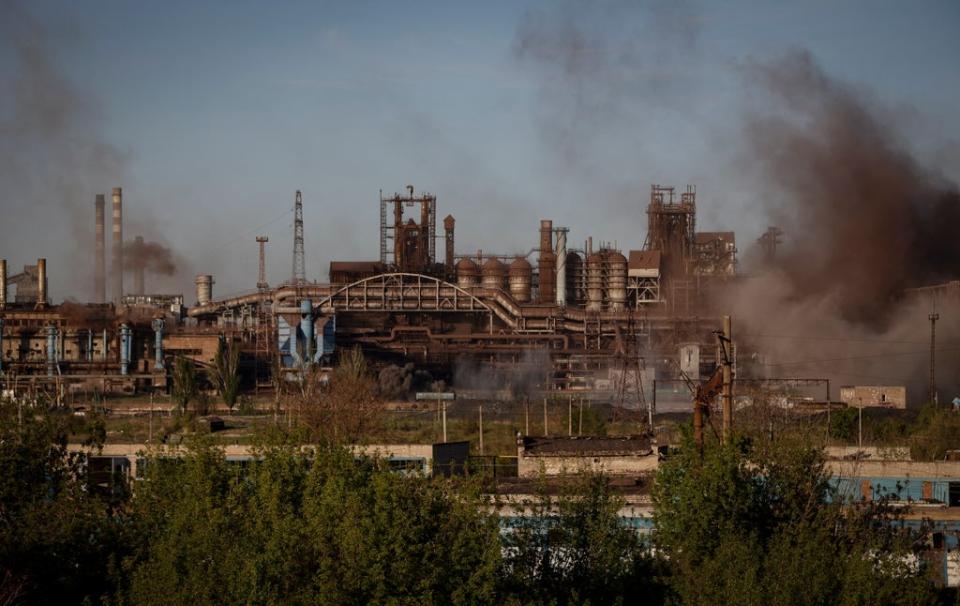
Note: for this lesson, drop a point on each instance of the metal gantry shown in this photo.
(299, 264)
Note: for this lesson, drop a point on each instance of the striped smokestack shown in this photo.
(117, 256)
(100, 260)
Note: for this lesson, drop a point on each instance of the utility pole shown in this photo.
(546, 428)
(262, 275)
(299, 269)
(481, 429)
(570, 415)
(933, 359)
(580, 421)
(727, 389)
(444, 421)
(526, 416)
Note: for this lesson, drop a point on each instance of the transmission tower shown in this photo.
(262, 276)
(299, 271)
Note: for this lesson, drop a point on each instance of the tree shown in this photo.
(765, 526)
(57, 537)
(307, 526)
(185, 384)
(575, 549)
(226, 371)
(343, 407)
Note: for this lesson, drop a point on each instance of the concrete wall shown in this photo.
(885, 396)
(531, 466)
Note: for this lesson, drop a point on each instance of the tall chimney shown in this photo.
(41, 283)
(448, 224)
(3, 285)
(100, 250)
(547, 263)
(117, 256)
(138, 267)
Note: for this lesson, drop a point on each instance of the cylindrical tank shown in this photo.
(521, 275)
(51, 350)
(157, 326)
(41, 282)
(595, 282)
(204, 284)
(494, 274)
(617, 280)
(468, 274)
(3, 284)
(575, 278)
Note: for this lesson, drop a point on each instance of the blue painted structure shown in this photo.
(303, 343)
(126, 336)
(51, 350)
(157, 326)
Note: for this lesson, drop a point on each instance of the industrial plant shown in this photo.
(577, 317)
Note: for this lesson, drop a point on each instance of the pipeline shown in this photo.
(306, 324)
(125, 348)
(51, 350)
(157, 326)
(41, 283)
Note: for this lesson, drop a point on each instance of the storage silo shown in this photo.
(521, 275)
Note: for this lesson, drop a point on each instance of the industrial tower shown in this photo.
(299, 270)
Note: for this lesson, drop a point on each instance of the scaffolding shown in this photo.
(671, 227)
(414, 244)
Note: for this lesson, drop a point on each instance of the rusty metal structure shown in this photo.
(568, 318)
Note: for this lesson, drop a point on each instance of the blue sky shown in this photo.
(214, 113)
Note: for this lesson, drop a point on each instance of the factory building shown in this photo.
(590, 313)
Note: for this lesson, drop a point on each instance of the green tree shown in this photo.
(57, 537)
(186, 386)
(226, 371)
(574, 548)
(307, 526)
(751, 526)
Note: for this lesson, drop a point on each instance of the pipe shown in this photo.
(100, 249)
(103, 351)
(117, 256)
(3, 283)
(157, 326)
(89, 346)
(561, 285)
(51, 350)
(306, 324)
(124, 349)
(41, 283)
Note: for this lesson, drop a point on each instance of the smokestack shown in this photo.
(547, 263)
(204, 284)
(3, 285)
(100, 249)
(138, 269)
(448, 224)
(561, 266)
(117, 257)
(41, 283)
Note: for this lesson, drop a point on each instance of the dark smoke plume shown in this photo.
(151, 256)
(863, 218)
(52, 158)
